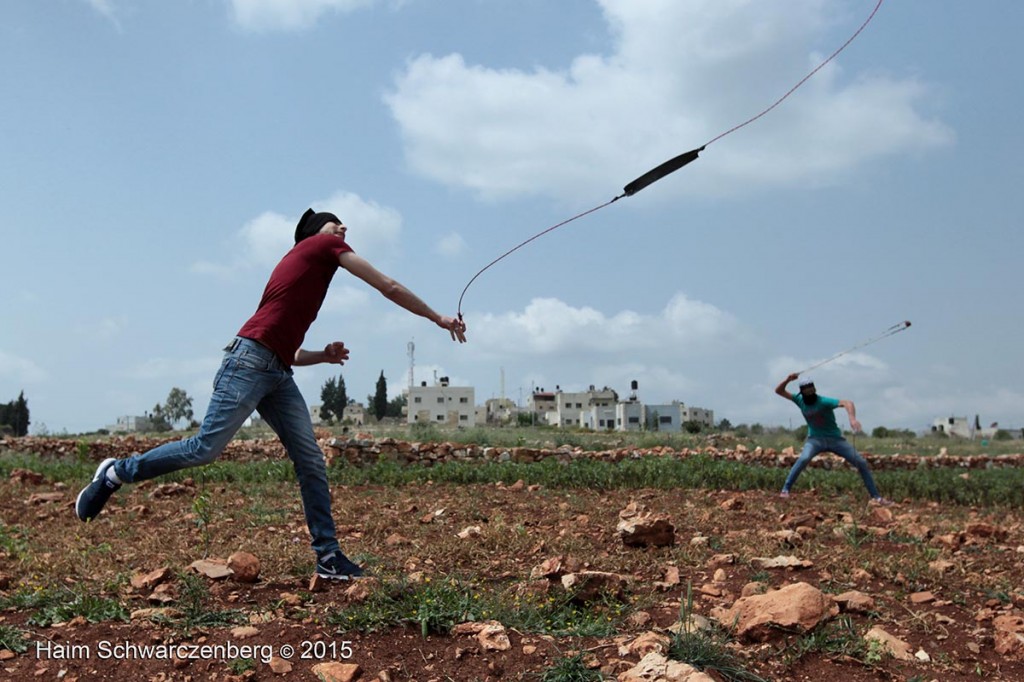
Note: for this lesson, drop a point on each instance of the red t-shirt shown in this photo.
(294, 294)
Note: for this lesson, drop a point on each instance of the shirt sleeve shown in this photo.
(831, 403)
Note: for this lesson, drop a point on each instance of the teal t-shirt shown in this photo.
(821, 421)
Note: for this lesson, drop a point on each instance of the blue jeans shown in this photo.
(840, 446)
(251, 377)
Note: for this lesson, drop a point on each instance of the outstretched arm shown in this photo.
(334, 352)
(851, 410)
(398, 294)
(781, 388)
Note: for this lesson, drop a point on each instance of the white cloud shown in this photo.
(373, 231)
(451, 245)
(18, 369)
(105, 8)
(345, 300)
(103, 329)
(269, 15)
(548, 326)
(677, 75)
(174, 369)
(860, 368)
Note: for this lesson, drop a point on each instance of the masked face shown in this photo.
(810, 395)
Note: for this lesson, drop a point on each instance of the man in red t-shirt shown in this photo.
(256, 375)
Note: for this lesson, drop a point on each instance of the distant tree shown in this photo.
(394, 408)
(14, 416)
(693, 426)
(1002, 434)
(756, 429)
(881, 432)
(178, 406)
(724, 425)
(379, 402)
(158, 419)
(333, 399)
(800, 432)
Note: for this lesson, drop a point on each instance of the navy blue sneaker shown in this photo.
(93, 496)
(336, 566)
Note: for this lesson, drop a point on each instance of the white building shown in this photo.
(542, 405)
(962, 427)
(354, 413)
(131, 424)
(499, 411)
(441, 404)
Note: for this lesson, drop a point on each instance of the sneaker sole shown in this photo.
(101, 470)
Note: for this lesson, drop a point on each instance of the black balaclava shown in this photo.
(311, 222)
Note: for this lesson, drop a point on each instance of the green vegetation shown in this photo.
(61, 604)
(571, 669)
(836, 639)
(13, 639)
(706, 649)
(983, 487)
(438, 604)
(194, 602)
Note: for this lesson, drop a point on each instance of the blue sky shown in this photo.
(154, 157)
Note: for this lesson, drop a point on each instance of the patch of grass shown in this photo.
(194, 604)
(60, 605)
(570, 669)
(834, 639)
(14, 541)
(706, 649)
(1003, 487)
(238, 666)
(856, 536)
(13, 638)
(438, 604)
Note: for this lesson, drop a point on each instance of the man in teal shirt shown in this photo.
(824, 434)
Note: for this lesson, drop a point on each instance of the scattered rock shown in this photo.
(214, 569)
(44, 498)
(279, 666)
(470, 532)
(589, 586)
(899, 649)
(781, 562)
(147, 581)
(758, 618)
(656, 668)
(337, 672)
(640, 528)
(922, 597)
(245, 566)
(855, 602)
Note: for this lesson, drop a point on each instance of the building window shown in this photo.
(634, 420)
(463, 400)
(463, 417)
(664, 420)
(600, 422)
(440, 417)
(417, 399)
(440, 401)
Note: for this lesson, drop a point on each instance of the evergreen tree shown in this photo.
(380, 398)
(333, 399)
(328, 393)
(21, 420)
(14, 416)
(395, 406)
